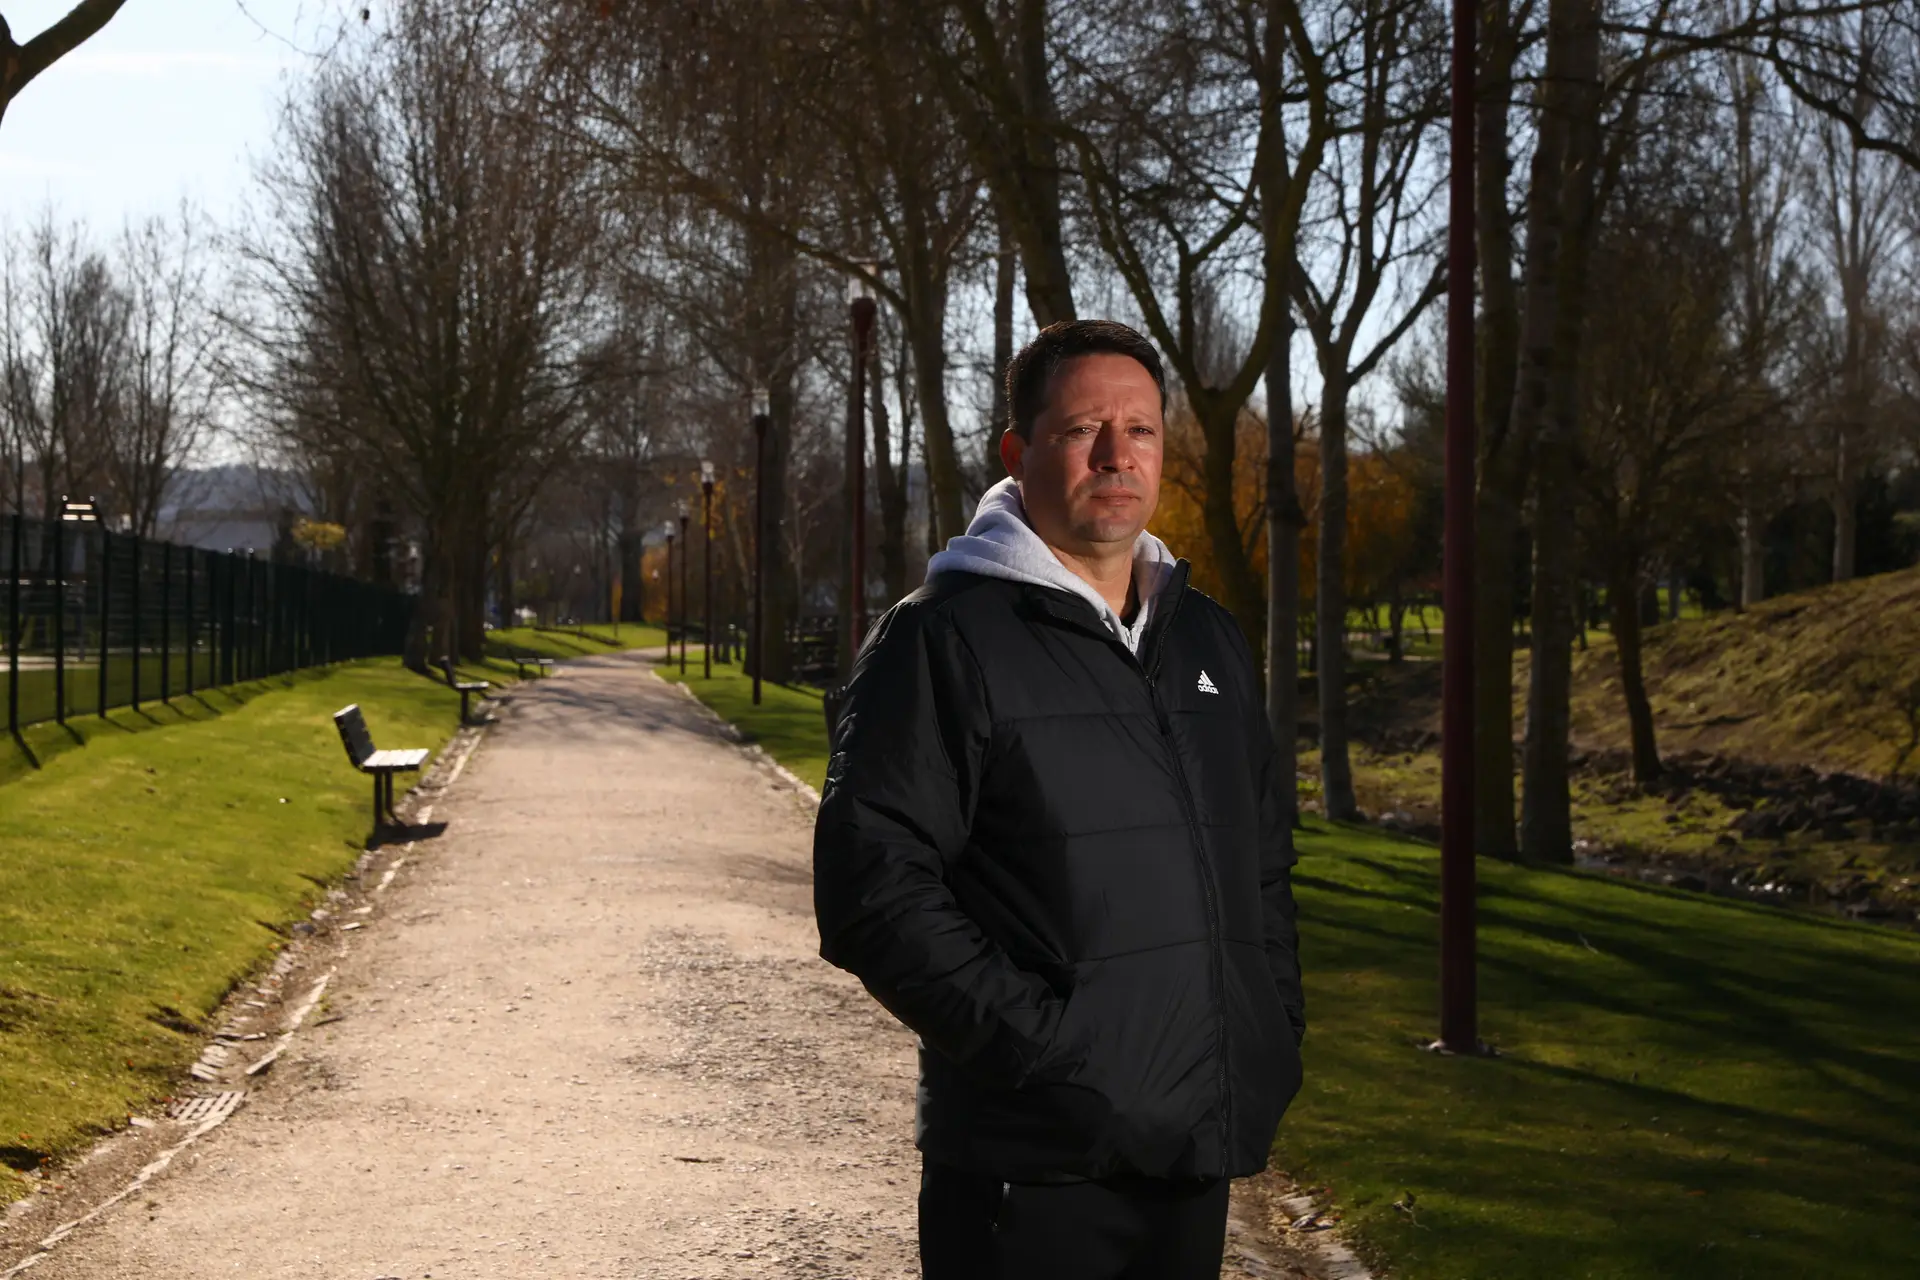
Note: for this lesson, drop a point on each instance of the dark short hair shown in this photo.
(1031, 371)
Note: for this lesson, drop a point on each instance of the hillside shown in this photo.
(1788, 733)
(1828, 678)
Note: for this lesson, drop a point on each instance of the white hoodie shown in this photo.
(1000, 543)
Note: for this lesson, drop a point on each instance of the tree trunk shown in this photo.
(929, 339)
(891, 481)
(1396, 622)
(1845, 522)
(1496, 530)
(1505, 451)
(1044, 254)
(1218, 419)
(1005, 271)
(1753, 564)
(632, 593)
(1561, 200)
(471, 594)
(503, 579)
(1330, 604)
(1622, 594)
(1285, 520)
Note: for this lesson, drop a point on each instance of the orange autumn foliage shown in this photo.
(1381, 510)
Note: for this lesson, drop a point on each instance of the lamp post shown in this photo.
(706, 566)
(667, 530)
(861, 306)
(683, 589)
(762, 415)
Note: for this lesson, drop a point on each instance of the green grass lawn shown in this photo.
(144, 868)
(1687, 1087)
(788, 722)
(567, 644)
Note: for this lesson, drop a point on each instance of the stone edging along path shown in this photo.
(245, 1046)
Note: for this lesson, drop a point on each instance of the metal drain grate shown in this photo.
(207, 1106)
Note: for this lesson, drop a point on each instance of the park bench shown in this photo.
(382, 765)
(465, 688)
(521, 661)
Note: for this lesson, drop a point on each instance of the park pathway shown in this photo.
(585, 1034)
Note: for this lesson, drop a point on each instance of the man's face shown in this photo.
(1090, 477)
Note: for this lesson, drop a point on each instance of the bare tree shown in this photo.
(1371, 250)
(64, 360)
(1854, 204)
(433, 271)
(167, 402)
(992, 61)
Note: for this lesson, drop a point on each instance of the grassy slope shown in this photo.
(1829, 677)
(1688, 1086)
(569, 644)
(141, 872)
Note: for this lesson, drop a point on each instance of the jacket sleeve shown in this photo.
(1276, 798)
(896, 810)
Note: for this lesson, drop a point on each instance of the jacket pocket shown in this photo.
(1135, 1066)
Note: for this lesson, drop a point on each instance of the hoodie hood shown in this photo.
(1000, 543)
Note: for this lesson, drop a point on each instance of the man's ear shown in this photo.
(1013, 453)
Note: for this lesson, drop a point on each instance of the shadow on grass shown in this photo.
(33, 747)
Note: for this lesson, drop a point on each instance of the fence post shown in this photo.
(106, 586)
(227, 592)
(188, 584)
(166, 621)
(59, 621)
(134, 608)
(19, 532)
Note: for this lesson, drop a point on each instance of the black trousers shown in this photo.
(973, 1226)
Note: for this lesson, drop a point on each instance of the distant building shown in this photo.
(238, 507)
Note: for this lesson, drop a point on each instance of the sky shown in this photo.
(168, 101)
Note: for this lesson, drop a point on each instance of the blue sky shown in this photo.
(168, 101)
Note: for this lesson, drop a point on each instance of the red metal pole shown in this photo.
(1458, 1015)
(684, 610)
(759, 546)
(706, 578)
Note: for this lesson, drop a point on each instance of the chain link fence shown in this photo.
(96, 620)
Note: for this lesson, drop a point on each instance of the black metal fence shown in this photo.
(96, 620)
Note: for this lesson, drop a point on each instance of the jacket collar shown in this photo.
(1070, 609)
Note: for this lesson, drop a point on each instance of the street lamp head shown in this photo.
(706, 473)
(667, 530)
(860, 283)
(762, 400)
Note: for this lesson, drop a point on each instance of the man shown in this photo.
(1052, 844)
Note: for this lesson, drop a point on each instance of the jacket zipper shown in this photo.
(1156, 633)
(1216, 961)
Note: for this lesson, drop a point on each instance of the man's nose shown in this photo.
(1110, 452)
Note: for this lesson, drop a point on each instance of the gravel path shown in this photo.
(586, 1035)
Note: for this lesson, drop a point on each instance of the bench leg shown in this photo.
(465, 715)
(377, 797)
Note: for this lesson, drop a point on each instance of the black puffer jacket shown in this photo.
(1065, 868)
